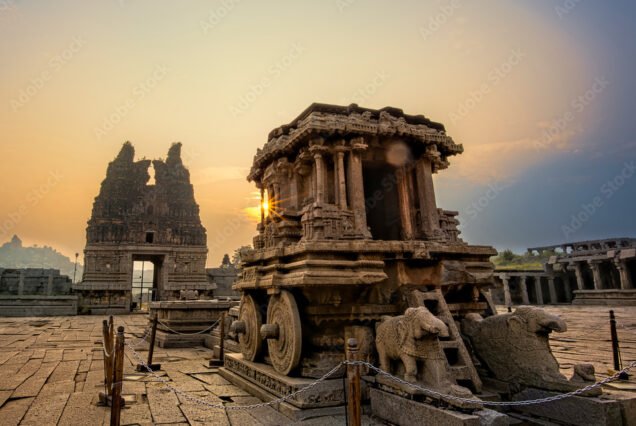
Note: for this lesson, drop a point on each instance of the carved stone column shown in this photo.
(341, 182)
(262, 206)
(578, 272)
(524, 290)
(538, 291)
(506, 289)
(623, 272)
(426, 193)
(320, 179)
(356, 186)
(21, 283)
(596, 274)
(405, 203)
(552, 290)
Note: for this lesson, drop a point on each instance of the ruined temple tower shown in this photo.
(134, 221)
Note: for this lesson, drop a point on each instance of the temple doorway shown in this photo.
(381, 201)
(145, 280)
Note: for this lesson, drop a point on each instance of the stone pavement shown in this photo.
(51, 372)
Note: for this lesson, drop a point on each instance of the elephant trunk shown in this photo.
(553, 323)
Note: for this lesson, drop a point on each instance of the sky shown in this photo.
(541, 94)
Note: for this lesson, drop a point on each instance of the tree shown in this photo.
(507, 255)
(238, 255)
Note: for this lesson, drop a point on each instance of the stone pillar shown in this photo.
(578, 272)
(49, 285)
(506, 289)
(596, 274)
(405, 203)
(623, 272)
(320, 178)
(538, 291)
(21, 283)
(524, 290)
(356, 187)
(426, 194)
(552, 289)
(341, 182)
(262, 207)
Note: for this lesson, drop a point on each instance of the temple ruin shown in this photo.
(596, 272)
(134, 221)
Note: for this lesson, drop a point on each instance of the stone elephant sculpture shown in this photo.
(515, 347)
(405, 338)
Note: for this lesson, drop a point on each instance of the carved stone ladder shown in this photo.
(462, 369)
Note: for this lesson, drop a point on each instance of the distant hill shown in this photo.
(14, 255)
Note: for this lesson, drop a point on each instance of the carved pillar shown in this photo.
(262, 207)
(341, 182)
(405, 203)
(426, 193)
(21, 283)
(356, 186)
(552, 290)
(623, 272)
(524, 290)
(319, 180)
(578, 272)
(596, 274)
(538, 291)
(49, 285)
(506, 289)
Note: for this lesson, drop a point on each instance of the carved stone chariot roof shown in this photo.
(328, 120)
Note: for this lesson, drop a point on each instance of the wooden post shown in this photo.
(151, 349)
(353, 376)
(108, 351)
(118, 376)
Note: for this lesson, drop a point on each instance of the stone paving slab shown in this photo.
(51, 370)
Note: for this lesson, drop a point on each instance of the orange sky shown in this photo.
(77, 79)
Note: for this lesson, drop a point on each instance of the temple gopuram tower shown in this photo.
(134, 221)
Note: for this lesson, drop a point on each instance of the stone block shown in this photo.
(405, 412)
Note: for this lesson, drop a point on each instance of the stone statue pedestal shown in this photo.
(262, 381)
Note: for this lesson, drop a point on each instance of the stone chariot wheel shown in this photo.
(250, 340)
(284, 350)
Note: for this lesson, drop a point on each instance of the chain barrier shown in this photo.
(189, 334)
(142, 339)
(379, 371)
(496, 403)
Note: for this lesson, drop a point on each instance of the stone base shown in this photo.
(171, 340)
(605, 297)
(405, 412)
(37, 306)
(262, 381)
(577, 410)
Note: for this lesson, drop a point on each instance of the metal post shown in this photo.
(222, 335)
(118, 376)
(151, 348)
(614, 335)
(75, 268)
(353, 376)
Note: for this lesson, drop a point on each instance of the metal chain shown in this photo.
(384, 373)
(235, 407)
(142, 339)
(496, 403)
(189, 334)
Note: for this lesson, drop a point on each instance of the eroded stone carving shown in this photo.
(516, 349)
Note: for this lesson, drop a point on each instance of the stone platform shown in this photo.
(605, 297)
(37, 305)
(326, 398)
